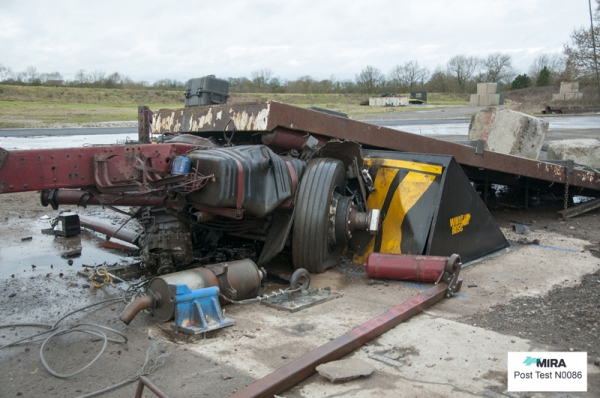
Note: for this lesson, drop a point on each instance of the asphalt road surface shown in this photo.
(68, 131)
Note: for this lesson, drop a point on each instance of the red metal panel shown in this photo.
(36, 169)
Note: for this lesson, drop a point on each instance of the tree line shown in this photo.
(460, 74)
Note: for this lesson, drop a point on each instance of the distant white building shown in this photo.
(388, 101)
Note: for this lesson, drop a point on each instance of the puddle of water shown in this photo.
(556, 123)
(435, 129)
(573, 122)
(46, 142)
(52, 254)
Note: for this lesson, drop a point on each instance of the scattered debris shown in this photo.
(27, 238)
(387, 360)
(345, 370)
(296, 301)
(521, 229)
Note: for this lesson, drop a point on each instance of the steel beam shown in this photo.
(267, 116)
(37, 169)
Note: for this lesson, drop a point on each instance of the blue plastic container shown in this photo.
(181, 165)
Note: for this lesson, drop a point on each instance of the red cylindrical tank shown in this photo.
(405, 267)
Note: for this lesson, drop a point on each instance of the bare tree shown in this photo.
(114, 79)
(580, 61)
(80, 77)
(30, 75)
(555, 63)
(303, 84)
(97, 77)
(52, 78)
(497, 68)
(462, 69)
(262, 78)
(409, 76)
(439, 82)
(5, 73)
(369, 79)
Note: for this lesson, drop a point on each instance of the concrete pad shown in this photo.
(345, 370)
(445, 357)
(510, 132)
(582, 151)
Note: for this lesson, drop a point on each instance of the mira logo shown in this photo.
(545, 363)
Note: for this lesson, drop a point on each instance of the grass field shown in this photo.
(23, 106)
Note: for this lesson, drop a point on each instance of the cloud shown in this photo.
(181, 39)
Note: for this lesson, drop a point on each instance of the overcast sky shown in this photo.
(149, 40)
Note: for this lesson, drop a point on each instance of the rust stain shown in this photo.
(245, 121)
(202, 121)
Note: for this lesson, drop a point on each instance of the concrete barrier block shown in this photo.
(481, 88)
(573, 96)
(474, 100)
(509, 132)
(566, 88)
(492, 88)
(558, 97)
(491, 100)
(582, 151)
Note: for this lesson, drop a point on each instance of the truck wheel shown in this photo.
(310, 245)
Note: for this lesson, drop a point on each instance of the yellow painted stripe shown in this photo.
(382, 183)
(404, 164)
(410, 190)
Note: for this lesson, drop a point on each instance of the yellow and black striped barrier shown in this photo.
(428, 206)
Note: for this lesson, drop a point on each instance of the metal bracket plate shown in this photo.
(300, 300)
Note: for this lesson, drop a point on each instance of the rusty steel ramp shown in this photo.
(477, 163)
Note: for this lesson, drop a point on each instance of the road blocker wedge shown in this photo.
(428, 206)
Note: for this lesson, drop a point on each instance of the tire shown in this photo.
(310, 243)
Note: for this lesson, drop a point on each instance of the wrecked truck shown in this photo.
(214, 182)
